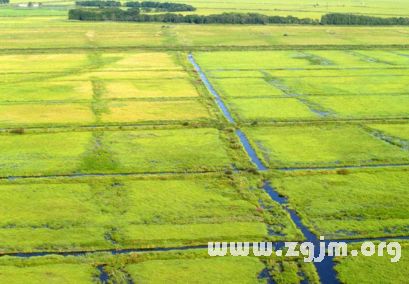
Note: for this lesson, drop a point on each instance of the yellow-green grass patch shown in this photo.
(395, 130)
(63, 273)
(315, 146)
(245, 87)
(270, 109)
(168, 150)
(348, 85)
(122, 213)
(129, 61)
(41, 154)
(26, 63)
(140, 111)
(46, 91)
(251, 59)
(217, 270)
(149, 89)
(374, 269)
(377, 106)
(126, 75)
(358, 204)
(46, 114)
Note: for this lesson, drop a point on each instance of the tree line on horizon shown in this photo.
(147, 6)
(133, 14)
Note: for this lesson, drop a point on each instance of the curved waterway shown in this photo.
(325, 268)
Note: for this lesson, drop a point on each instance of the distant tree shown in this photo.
(225, 18)
(359, 20)
(161, 6)
(4, 2)
(98, 3)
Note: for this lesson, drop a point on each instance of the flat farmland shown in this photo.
(340, 145)
(350, 205)
(168, 266)
(49, 272)
(133, 151)
(95, 88)
(108, 213)
(23, 33)
(119, 161)
(268, 86)
(309, 9)
(361, 269)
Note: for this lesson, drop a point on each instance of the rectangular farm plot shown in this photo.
(340, 83)
(122, 213)
(253, 60)
(113, 152)
(393, 132)
(45, 114)
(317, 146)
(352, 205)
(35, 210)
(145, 61)
(203, 211)
(167, 150)
(126, 75)
(46, 91)
(42, 63)
(47, 273)
(139, 111)
(218, 270)
(42, 154)
(149, 89)
(245, 88)
(365, 270)
(270, 109)
(381, 106)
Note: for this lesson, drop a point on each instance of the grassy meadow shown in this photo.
(99, 88)
(332, 145)
(269, 86)
(122, 212)
(363, 269)
(350, 205)
(178, 266)
(110, 140)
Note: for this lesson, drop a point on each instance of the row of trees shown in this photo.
(116, 14)
(4, 1)
(133, 14)
(161, 6)
(98, 3)
(359, 20)
(109, 14)
(145, 5)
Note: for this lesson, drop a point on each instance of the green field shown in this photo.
(136, 151)
(312, 9)
(132, 213)
(268, 86)
(179, 267)
(95, 88)
(110, 140)
(20, 33)
(364, 269)
(358, 204)
(333, 145)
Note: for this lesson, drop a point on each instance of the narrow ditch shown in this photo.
(103, 275)
(210, 88)
(93, 175)
(325, 269)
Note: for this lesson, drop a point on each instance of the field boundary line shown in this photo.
(202, 48)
